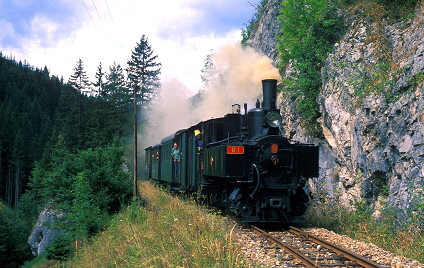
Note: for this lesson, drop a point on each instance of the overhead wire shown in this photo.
(95, 7)
(88, 11)
(109, 12)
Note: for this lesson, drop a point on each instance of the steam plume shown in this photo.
(237, 77)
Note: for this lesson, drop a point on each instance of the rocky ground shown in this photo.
(260, 253)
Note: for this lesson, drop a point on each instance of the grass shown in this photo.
(167, 232)
(404, 238)
(41, 262)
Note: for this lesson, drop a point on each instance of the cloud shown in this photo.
(42, 21)
(181, 32)
(203, 17)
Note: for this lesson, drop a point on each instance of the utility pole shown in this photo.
(135, 191)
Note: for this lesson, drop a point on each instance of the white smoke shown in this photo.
(238, 79)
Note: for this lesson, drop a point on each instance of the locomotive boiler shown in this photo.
(243, 164)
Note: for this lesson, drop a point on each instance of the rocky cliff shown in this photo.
(43, 235)
(372, 109)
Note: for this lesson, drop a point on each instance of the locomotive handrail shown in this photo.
(258, 180)
(212, 144)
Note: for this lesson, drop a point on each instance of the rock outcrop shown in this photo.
(372, 111)
(264, 34)
(43, 234)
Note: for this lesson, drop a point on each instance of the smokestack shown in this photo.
(269, 87)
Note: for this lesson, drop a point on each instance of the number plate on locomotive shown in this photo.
(235, 149)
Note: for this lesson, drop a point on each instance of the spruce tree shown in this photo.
(209, 72)
(143, 72)
(79, 80)
(116, 90)
(99, 84)
(119, 96)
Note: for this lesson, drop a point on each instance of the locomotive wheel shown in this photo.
(244, 208)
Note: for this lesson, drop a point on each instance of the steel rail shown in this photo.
(347, 253)
(308, 262)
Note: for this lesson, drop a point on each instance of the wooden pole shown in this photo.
(135, 191)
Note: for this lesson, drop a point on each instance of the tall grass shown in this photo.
(405, 238)
(167, 232)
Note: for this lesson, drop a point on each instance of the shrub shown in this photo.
(309, 28)
(61, 248)
(88, 186)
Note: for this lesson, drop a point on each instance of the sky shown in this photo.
(56, 33)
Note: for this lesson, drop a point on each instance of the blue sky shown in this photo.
(56, 33)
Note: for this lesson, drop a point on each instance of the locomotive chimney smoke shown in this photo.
(269, 87)
(235, 77)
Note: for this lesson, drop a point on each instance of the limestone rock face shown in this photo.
(372, 109)
(377, 136)
(263, 37)
(43, 235)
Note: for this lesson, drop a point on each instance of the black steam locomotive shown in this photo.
(241, 163)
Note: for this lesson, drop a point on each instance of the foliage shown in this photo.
(116, 92)
(29, 98)
(14, 228)
(250, 27)
(309, 29)
(143, 72)
(99, 84)
(61, 248)
(86, 122)
(79, 80)
(168, 232)
(53, 125)
(89, 186)
(208, 70)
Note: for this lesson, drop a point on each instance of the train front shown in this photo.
(277, 168)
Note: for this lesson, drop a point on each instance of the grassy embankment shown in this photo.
(167, 232)
(405, 238)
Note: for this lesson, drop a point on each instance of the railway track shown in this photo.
(311, 251)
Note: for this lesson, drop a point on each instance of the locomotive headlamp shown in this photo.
(273, 119)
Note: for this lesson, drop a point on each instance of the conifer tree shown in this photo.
(116, 90)
(79, 80)
(143, 72)
(99, 84)
(117, 94)
(209, 72)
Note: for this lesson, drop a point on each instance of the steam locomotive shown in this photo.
(242, 165)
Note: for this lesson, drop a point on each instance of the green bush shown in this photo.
(309, 28)
(14, 249)
(61, 248)
(89, 186)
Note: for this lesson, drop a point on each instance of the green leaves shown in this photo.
(143, 72)
(88, 186)
(309, 29)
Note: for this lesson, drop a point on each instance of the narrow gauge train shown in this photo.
(244, 165)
